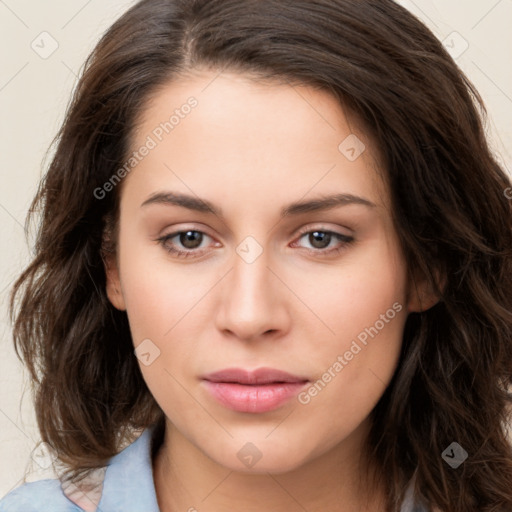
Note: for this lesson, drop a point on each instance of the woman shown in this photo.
(273, 270)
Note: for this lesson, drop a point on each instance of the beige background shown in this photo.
(34, 92)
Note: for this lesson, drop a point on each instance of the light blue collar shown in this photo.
(128, 483)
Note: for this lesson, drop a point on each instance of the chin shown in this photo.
(259, 457)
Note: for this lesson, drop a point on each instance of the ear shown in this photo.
(422, 294)
(113, 284)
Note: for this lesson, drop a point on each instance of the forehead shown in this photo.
(230, 136)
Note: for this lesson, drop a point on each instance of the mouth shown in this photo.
(258, 391)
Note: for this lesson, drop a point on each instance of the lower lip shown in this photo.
(253, 398)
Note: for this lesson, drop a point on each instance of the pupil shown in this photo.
(320, 239)
(191, 239)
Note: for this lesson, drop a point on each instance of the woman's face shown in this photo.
(294, 265)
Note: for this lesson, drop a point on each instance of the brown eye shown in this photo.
(190, 239)
(184, 243)
(320, 240)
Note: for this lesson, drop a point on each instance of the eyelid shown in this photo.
(172, 231)
(323, 227)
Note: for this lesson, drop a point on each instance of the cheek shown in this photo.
(362, 299)
(356, 358)
(353, 368)
(158, 294)
(165, 304)
(164, 326)
(357, 368)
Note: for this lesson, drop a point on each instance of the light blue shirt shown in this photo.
(128, 486)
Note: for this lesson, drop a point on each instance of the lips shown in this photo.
(257, 391)
(259, 376)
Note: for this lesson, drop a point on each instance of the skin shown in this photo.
(252, 148)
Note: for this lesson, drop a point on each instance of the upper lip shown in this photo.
(258, 376)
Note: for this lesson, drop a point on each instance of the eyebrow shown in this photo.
(202, 205)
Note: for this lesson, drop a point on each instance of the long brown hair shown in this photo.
(450, 210)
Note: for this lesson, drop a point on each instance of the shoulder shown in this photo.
(126, 483)
(40, 496)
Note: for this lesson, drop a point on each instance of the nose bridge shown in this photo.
(250, 276)
(251, 302)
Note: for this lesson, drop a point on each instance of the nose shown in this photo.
(253, 301)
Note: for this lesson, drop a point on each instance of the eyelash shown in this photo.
(344, 239)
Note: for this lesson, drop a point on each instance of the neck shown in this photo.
(186, 479)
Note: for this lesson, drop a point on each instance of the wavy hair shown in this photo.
(450, 210)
